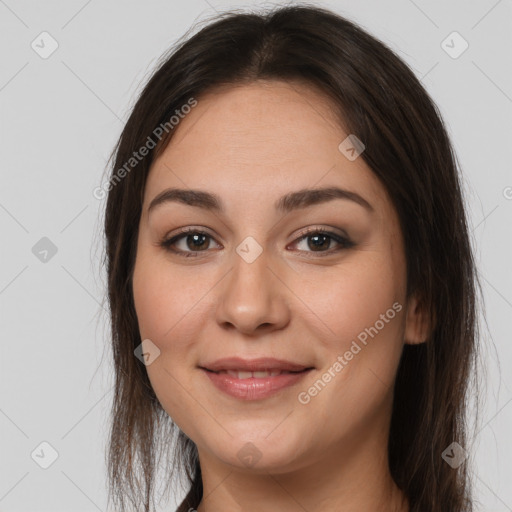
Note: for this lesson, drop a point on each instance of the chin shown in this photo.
(257, 452)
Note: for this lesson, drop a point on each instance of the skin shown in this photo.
(251, 144)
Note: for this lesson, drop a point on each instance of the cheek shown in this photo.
(364, 314)
(150, 301)
(350, 299)
(164, 307)
(164, 310)
(164, 300)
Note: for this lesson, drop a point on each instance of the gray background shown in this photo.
(61, 116)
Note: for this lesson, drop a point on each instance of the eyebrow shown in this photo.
(288, 202)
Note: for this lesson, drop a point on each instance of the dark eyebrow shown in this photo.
(308, 197)
(291, 201)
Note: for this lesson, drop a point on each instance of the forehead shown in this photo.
(261, 140)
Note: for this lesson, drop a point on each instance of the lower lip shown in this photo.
(254, 388)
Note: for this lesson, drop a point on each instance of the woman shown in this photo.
(291, 284)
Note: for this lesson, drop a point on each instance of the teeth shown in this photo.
(260, 375)
(248, 375)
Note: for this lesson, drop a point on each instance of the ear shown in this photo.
(417, 323)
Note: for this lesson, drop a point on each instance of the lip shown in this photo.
(253, 365)
(254, 388)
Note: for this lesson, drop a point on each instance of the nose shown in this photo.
(253, 297)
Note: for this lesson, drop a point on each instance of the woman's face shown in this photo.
(253, 286)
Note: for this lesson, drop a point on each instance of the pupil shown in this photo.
(195, 238)
(316, 246)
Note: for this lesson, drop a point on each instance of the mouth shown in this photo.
(255, 379)
(259, 365)
(241, 374)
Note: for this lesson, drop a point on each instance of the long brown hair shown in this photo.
(408, 149)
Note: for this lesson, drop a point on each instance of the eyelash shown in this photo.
(343, 241)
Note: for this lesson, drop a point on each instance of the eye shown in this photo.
(195, 241)
(320, 239)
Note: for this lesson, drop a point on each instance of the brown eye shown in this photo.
(192, 241)
(196, 242)
(319, 240)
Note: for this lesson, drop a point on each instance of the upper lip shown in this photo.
(254, 365)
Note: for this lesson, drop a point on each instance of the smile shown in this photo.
(257, 385)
